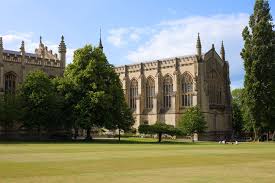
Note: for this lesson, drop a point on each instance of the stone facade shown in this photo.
(162, 90)
(15, 65)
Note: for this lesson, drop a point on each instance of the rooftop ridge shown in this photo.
(162, 59)
(18, 53)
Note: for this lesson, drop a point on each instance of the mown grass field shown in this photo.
(137, 162)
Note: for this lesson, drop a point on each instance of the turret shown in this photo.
(213, 50)
(198, 46)
(22, 48)
(1, 67)
(1, 50)
(62, 52)
(41, 45)
(100, 42)
(222, 52)
(23, 52)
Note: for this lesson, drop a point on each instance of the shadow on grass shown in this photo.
(101, 141)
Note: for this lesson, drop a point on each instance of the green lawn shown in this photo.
(137, 162)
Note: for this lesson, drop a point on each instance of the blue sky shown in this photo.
(132, 30)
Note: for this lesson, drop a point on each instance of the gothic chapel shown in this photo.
(15, 65)
(161, 90)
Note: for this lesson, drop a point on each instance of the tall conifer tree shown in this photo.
(259, 63)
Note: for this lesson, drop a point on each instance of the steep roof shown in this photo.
(19, 53)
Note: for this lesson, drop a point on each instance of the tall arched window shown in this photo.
(214, 88)
(150, 93)
(186, 90)
(133, 93)
(167, 91)
(10, 82)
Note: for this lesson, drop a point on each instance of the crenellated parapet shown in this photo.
(158, 64)
(32, 59)
(41, 57)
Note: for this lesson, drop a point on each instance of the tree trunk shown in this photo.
(119, 135)
(273, 136)
(256, 138)
(88, 134)
(192, 138)
(75, 133)
(160, 134)
(6, 129)
(39, 132)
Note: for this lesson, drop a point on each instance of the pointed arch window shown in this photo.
(149, 92)
(133, 93)
(214, 88)
(186, 90)
(167, 91)
(10, 83)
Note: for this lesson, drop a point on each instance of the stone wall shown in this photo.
(218, 116)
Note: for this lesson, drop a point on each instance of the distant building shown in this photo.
(162, 90)
(15, 65)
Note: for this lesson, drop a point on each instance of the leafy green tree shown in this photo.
(63, 105)
(259, 63)
(144, 129)
(68, 89)
(237, 119)
(9, 111)
(123, 118)
(93, 90)
(237, 111)
(40, 103)
(160, 129)
(192, 121)
(237, 96)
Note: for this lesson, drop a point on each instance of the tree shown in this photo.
(192, 121)
(237, 111)
(40, 103)
(237, 119)
(122, 116)
(93, 90)
(123, 119)
(259, 63)
(9, 111)
(159, 129)
(64, 88)
(237, 96)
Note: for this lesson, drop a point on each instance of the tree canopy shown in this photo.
(192, 121)
(93, 90)
(9, 111)
(41, 106)
(259, 63)
(237, 111)
(159, 128)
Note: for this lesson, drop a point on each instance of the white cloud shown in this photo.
(134, 36)
(178, 38)
(120, 37)
(15, 36)
(12, 41)
(116, 36)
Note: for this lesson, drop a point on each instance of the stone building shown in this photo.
(15, 65)
(161, 90)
